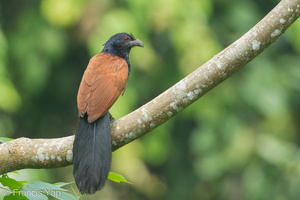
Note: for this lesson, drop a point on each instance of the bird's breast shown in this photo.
(103, 81)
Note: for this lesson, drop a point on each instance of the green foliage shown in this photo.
(240, 141)
(37, 190)
(11, 183)
(117, 177)
(5, 139)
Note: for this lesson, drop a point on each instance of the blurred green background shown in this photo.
(239, 142)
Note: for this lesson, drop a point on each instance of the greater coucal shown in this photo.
(103, 81)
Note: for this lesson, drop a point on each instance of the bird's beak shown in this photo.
(137, 42)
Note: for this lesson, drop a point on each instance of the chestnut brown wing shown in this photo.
(102, 83)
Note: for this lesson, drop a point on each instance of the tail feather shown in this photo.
(92, 154)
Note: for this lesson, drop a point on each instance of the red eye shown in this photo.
(126, 38)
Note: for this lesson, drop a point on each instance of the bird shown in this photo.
(103, 81)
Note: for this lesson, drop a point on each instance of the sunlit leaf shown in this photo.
(5, 139)
(117, 178)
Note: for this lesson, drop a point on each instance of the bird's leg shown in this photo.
(111, 118)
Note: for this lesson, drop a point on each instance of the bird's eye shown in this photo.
(126, 38)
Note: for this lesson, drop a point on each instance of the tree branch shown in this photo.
(50, 153)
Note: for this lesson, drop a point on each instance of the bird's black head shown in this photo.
(120, 45)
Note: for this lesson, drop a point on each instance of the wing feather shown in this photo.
(101, 85)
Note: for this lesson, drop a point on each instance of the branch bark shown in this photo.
(50, 153)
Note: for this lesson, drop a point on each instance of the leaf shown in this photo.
(62, 184)
(34, 195)
(5, 139)
(11, 183)
(15, 196)
(4, 175)
(117, 178)
(43, 186)
(64, 196)
(47, 189)
(39, 190)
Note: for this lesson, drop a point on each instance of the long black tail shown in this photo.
(92, 154)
